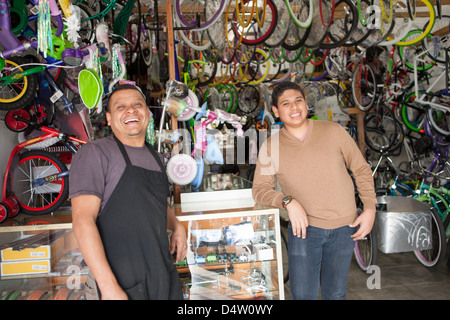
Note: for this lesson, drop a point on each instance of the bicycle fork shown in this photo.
(49, 179)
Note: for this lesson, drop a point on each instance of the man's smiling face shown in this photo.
(128, 116)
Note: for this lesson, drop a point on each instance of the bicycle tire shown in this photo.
(431, 19)
(443, 34)
(282, 28)
(431, 258)
(439, 121)
(362, 32)
(364, 90)
(41, 200)
(249, 99)
(18, 94)
(340, 30)
(146, 46)
(295, 38)
(16, 125)
(306, 20)
(3, 212)
(412, 114)
(366, 251)
(384, 133)
(203, 26)
(266, 31)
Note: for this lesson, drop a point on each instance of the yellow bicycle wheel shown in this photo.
(264, 75)
(428, 14)
(17, 89)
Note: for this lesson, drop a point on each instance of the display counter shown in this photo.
(234, 249)
(234, 245)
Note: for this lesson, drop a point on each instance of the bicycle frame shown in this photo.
(420, 98)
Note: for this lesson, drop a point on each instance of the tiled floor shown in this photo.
(402, 277)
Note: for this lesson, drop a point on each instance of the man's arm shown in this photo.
(362, 174)
(85, 210)
(178, 240)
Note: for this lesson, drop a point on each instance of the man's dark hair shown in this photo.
(282, 87)
(121, 87)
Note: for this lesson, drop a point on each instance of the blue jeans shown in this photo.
(322, 258)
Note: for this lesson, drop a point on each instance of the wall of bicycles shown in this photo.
(378, 67)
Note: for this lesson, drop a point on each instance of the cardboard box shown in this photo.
(38, 253)
(263, 251)
(31, 260)
(14, 268)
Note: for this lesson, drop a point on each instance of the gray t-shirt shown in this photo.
(98, 166)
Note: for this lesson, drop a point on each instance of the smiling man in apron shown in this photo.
(119, 189)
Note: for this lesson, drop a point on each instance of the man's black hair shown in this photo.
(282, 87)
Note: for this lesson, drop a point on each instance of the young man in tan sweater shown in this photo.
(311, 160)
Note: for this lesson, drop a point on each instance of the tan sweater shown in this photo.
(314, 172)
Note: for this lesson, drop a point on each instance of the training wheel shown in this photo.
(13, 206)
(3, 212)
(181, 169)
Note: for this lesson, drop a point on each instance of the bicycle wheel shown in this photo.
(439, 42)
(14, 124)
(364, 86)
(432, 257)
(362, 32)
(439, 121)
(249, 99)
(366, 251)
(34, 199)
(429, 15)
(147, 45)
(282, 27)
(253, 36)
(295, 7)
(17, 94)
(383, 132)
(413, 114)
(342, 28)
(217, 6)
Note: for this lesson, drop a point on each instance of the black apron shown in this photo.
(133, 228)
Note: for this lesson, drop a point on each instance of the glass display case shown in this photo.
(234, 245)
(40, 259)
(234, 250)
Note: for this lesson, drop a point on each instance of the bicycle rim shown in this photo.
(432, 257)
(441, 32)
(383, 132)
(439, 121)
(364, 87)
(214, 6)
(413, 116)
(15, 91)
(366, 251)
(255, 36)
(282, 27)
(402, 25)
(342, 27)
(42, 199)
(430, 14)
(295, 7)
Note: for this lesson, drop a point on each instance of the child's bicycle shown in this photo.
(36, 180)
